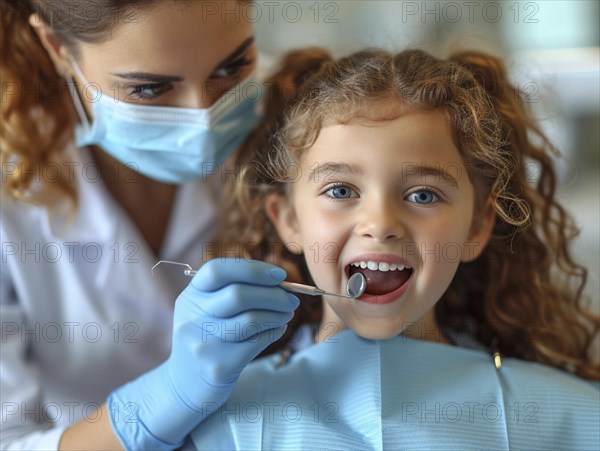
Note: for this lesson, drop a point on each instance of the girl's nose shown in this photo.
(381, 221)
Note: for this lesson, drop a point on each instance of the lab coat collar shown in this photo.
(97, 219)
(93, 218)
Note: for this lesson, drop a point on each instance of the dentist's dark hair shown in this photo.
(524, 294)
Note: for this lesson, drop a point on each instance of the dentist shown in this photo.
(117, 117)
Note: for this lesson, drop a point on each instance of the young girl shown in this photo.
(412, 171)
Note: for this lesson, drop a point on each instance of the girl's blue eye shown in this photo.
(423, 197)
(341, 192)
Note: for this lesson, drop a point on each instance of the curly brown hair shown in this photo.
(523, 294)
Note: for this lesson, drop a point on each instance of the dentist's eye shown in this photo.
(423, 197)
(233, 69)
(341, 192)
(150, 91)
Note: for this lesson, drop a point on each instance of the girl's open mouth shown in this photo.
(385, 281)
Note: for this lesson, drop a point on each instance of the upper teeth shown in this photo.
(378, 266)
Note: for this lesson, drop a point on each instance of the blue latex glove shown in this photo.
(227, 315)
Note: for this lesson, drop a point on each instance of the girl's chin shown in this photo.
(376, 333)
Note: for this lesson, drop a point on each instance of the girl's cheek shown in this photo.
(322, 223)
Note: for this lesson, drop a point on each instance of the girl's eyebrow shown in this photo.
(332, 168)
(158, 78)
(409, 170)
(422, 170)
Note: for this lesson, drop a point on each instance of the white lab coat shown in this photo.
(81, 313)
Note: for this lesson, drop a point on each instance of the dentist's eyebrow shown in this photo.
(147, 76)
(237, 52)
(423, 171)
(158, 78)
(332, 168)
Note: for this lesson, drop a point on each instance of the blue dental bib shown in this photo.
(352, 393)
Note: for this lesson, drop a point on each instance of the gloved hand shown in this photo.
(227, 315)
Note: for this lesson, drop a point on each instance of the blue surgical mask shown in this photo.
(169, 144)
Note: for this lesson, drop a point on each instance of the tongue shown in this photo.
(379, 282)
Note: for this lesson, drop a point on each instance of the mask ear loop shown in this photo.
(75, 94)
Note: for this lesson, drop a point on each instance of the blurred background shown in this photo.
(551, 48)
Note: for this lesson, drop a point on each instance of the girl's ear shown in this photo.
(283, 217)
(481, 232)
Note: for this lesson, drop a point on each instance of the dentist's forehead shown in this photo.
(170, 37)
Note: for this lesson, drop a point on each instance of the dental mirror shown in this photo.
(357, 283)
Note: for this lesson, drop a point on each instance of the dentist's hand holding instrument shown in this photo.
(356, 286)
(231, 311)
